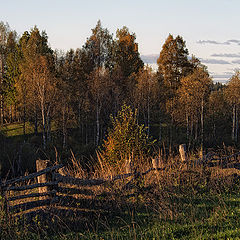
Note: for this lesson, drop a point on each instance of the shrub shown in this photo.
(126, 139)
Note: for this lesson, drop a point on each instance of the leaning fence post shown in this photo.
(44, 178)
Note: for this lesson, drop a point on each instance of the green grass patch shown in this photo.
(16, 129)
(201, 216)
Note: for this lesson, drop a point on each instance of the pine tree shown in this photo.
(173, 63)
(126, 52)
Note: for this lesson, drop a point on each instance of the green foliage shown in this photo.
(126, 139)
(126, 52)
(173, 63)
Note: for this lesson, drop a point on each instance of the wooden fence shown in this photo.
(47, 189)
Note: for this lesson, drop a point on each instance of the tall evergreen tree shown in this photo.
(4, 32)
(173, 63)
(126, 52)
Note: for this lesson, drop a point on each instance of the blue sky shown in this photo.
(206, 25)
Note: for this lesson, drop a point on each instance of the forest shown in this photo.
(53, 101)
(90, 141)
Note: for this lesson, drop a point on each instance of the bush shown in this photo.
(126, 139)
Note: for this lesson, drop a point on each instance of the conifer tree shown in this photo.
(173, 63)
(126, 52)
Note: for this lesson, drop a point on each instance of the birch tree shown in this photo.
(193, 95)
(233, 97)
(38, 72)
(146, 93)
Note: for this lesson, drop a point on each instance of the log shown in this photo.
(84, 203)
(26, 187)
(78, 181)
(29, 205)
(122, 176)
(70, 191)
(31, 195)
(32, 175)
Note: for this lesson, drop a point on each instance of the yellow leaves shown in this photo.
(233, 89)
(194, 89)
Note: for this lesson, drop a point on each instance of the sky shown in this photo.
(209, 27)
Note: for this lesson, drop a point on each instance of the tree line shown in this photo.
(61, 93)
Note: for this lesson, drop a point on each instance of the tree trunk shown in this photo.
(148, 116)
(11, 113)
(79, 114)
(191, 130)
(36, 122)
(160, 127)
(196, 131)
(234, 123)
(15, 113)
(64, 126)
(202, 123)
(24, 121)
(1, 111)
(187, 126)
(48, 127)
(44, 126)
(97, 124)
(1, 97)
(86, 134)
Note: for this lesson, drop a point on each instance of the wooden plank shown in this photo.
(32, 175)
(227, 157)
(65, 190)
(31, 195)
(84, 203)
(78, 181)
(122, 176)
(95, 182)
(29, 205)
(26, 187)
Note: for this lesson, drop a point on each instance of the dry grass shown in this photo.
(173, 194)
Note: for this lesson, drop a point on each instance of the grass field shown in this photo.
(204, 216)
(203, 203)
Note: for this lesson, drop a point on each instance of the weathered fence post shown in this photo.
(44, 178)
(183, 153)
(155, 163)
(129, 165)
(4, 199)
